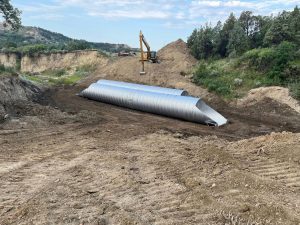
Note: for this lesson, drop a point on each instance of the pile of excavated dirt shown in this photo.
(24, 105)
(15, 91)
(278, 94)
(175, 63)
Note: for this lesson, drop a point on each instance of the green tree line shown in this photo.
(238, 35)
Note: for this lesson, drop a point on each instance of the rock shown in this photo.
(102, 221)
(244, 208)
(257, 84)
(238, 81)
(78, 206)
(217, 172)
(92, 191)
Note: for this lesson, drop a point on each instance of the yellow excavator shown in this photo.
(148, 55)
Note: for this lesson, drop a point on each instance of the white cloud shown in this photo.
(238, 4)
(173, 13)
(113, 14)
(207, 3)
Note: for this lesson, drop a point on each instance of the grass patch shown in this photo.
(58, 77)
(34, 79)
(68, 80)
(234, 77)
(226, 79)
(294, 87)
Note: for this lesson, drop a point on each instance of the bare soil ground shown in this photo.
(68, 160)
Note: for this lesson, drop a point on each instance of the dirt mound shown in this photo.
(24, 105)
(178, 56)
(278, 94)
(14, 90)
(175, 63)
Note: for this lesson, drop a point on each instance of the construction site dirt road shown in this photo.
(118, 166)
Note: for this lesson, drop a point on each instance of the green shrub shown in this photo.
(7, 70)
(59, 72)
(294, 87)
(210, 76)
(261, 59)
(2, 68)
(275, 62)
(219, 87)
(32, 49)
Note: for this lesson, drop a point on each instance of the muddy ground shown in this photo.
(76, 161)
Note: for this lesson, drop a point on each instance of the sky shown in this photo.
(119, 21)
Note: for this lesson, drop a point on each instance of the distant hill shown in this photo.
(28, 35)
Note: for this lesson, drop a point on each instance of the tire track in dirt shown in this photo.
(137, 182)
(38, 141)
(286, 173)
(283, 172)
(24, 183)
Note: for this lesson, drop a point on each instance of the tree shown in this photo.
(217, 39)
(279, 30)
(192, 39)
(201, 42)
(247, 21)
(238, 41)
(78, 45)
(205, 45)
(227, 28)
(295, 25)
(10, 14)
(261, 25)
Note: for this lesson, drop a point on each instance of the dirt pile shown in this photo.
(177, 56)
(24, 105)
(279, 144)
(15, 91)
(278, 94)
(175, 63)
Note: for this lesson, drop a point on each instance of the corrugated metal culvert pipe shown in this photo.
(183, 107)
(142, 87)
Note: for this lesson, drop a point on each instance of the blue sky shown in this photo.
(119, 21)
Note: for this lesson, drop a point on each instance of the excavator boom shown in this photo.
(148, 55)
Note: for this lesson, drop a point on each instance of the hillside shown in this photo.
(249, 51)
(28, 35)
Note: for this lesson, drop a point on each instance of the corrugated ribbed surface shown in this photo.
(183, 107)
(142, 87)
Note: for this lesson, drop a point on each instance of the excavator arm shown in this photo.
(144, 41)
(148, 55)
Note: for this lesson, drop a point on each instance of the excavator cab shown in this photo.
(153, 57)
